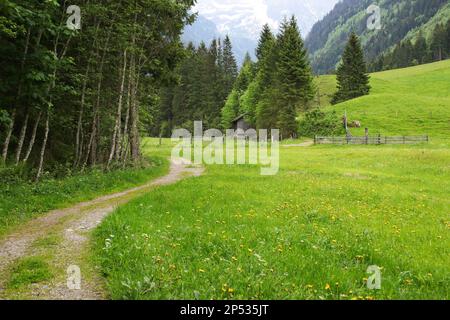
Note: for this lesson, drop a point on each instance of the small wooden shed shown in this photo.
(240, 123)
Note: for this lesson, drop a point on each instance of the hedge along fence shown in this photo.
(377, 140)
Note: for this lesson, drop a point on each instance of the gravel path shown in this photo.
(73, 226)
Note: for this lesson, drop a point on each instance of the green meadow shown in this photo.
(312, 231)
(309, 232)
(411, 101)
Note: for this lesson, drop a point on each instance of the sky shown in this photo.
(247, 16)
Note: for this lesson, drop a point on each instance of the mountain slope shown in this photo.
(410, 101)
(327, 38)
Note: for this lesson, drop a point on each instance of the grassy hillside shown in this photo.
(411, 101)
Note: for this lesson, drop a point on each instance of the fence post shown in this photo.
(379, 139)
(315, 139)
(367, 135)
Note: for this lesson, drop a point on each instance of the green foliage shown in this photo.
(206, 79)
(294, 77)
(73, 81)
(319, 123)
(352, 77)
(231, 109)
(283, 82)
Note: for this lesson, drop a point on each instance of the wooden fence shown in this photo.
(377, 140)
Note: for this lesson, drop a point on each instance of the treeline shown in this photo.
(80, 97)
(271, 92)
(205, 79)
(407, 53)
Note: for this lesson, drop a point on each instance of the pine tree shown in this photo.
(352, 77)
(257, 101)
(266, 40)
(230, 69)
(294, 77)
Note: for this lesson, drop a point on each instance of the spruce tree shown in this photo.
(352, 77)
(265, 42)
(264, 70)
(230, 69)
(294, 77)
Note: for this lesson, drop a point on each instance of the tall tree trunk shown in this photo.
(125, 135)
(8, 136)
(44, 146)
(33, 138)
(23, 132)
(134, 130)
(119, 111)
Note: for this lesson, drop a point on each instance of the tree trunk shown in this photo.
(23, 132)
(125, 135)
(119, 111)
(33, 138)
(134, 117)
(8, 137)
(44, 145)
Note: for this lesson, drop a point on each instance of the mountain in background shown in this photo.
(400, 19)
(242, 20)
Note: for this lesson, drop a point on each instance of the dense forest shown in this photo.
(76, 90)
(423, 50)
(205, 78)
(327, 39)
(269, 92)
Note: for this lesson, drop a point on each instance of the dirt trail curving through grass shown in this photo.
(62, 237)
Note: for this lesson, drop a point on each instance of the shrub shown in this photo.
(317, 122)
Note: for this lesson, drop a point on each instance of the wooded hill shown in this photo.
(400, 20)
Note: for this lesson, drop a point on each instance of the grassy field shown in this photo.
(411, 101)
(311, 231)
(22, 200)
(308, 233)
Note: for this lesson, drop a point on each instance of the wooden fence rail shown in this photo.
(377, 140)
